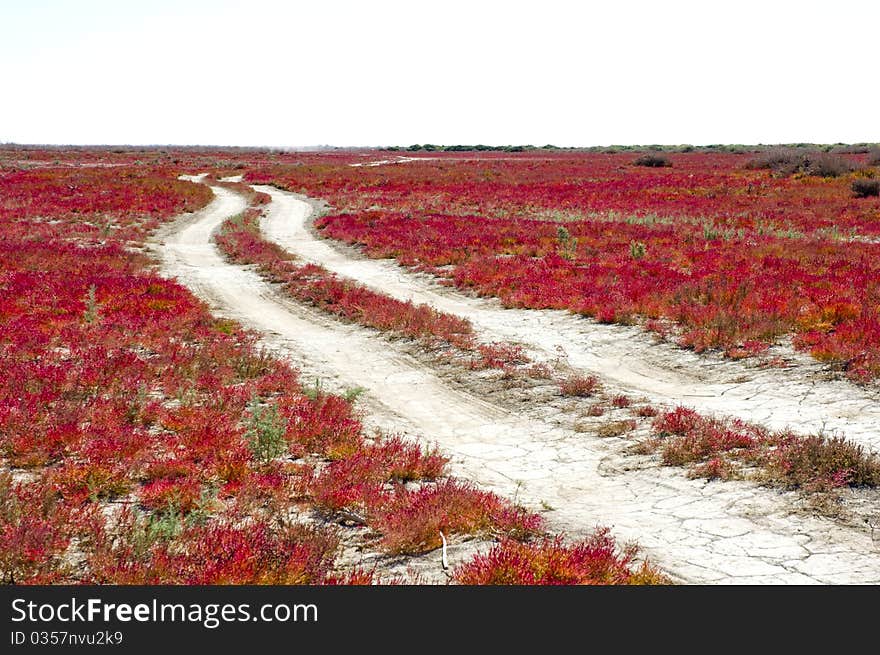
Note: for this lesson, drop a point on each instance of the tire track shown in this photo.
(698, 532)
(624, 356)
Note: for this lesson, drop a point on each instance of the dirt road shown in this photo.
(801, 397)
(698, 532)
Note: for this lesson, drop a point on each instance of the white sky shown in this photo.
(274, 73)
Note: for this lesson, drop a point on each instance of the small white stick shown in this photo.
(444, 562)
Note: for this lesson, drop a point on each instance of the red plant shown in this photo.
(34, 533)
(621, 401)
(499, 355)
(580, 386)
(215, 553)
(696, 438)
(182, 494)
(118, 384)
(595, 561)
(411, 521)
(324, 424)
(680, 421)
(241, 241)
(353, 483)
(358, 481)
(811, 462)
(596, 409)
(403, 461)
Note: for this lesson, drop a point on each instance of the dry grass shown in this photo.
(579, 386)
(714, 447)
(615, 428)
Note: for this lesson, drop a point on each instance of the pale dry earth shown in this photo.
(697, 531)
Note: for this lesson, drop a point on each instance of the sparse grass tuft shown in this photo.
(579, 386)
(716, 468)
(811, 463)
(499, 355)
(817, 463)
(615, 428)
(265, 432)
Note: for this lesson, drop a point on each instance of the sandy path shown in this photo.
(625, 356)
(384, 162)
(699, 532)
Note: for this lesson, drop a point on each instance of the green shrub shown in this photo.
(265, 432)
(788, 161)
(566, 244)
(652, 161)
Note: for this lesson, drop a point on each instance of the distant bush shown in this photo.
(826, 165)
(652, 160)
(865, 188)
(852, 149)
(874, 157)
(431, 147)
(784, 162)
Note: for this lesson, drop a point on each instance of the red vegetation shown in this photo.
(83, 197)
(35, 531)
(117, 384)
(580, 386)
(241, 241)
(733, 257)
(135, 552)
(714, 445)
(595, 561)
(359, 481)
(411, 521)
(621, 401)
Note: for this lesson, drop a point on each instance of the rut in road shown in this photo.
(799, 398)
(698, 532)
